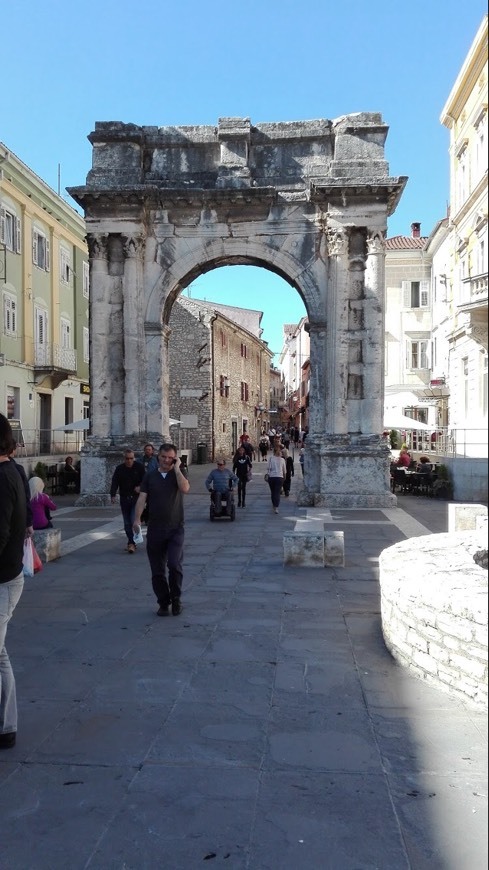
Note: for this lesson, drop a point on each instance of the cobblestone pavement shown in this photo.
(266, 728)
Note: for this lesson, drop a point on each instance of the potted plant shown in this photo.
(443, 486)
(394, 439)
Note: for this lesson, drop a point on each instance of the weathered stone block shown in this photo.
(48, 544)
(304, 548)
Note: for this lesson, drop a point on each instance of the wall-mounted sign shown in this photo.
(85, 389)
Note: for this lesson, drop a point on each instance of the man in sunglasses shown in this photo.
(163, 490)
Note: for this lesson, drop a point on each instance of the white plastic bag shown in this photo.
(28, 559)
(138, 536)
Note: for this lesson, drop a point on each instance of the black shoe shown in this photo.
(163, 610)
(7, 741)
(176, 607)
(239, 504)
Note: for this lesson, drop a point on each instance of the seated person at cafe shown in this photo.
(404, 458)
(424, 465)
(70, 474)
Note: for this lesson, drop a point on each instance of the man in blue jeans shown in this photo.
(13, 523)
(127, 479)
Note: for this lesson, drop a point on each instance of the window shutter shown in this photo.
(424, 295)
(18, 236)
(406, 294)
(408, 355)
(86, 346)
(48, 257)
(2, 225)
(34, 248)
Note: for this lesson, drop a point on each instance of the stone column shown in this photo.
(157, 412)
(337, 339)
(100, 374)
(374, 355)
(132, 293)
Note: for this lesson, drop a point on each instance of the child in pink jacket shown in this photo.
(41, 505)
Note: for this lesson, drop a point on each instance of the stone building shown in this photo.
(44, 326)
(219, 376)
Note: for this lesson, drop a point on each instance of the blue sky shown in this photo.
(67, 65)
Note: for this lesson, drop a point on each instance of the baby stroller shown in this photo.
(222, 505)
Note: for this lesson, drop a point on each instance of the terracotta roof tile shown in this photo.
(403, 243)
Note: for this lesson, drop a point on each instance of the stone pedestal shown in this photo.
(99, 458)
(350, 471)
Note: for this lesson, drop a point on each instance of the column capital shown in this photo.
(133, 246)
(97, 245)
(316, 326)
(337, 241)
(375, 242)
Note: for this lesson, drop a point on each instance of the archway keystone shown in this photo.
(308, 200)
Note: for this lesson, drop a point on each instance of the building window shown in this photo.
(10, 230)
(9, 314)
(64, 266)
(244, 392)
(417, 355)
(416, 294)
(68, 410)
(13, 403)
(86, 345)
(40, 251)
(224, 342)
(244, 351)
(86, 280)
(65, 332)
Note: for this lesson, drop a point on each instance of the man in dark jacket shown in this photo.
(127, 479)
(13, 521)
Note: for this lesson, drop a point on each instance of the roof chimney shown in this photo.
(416, 230)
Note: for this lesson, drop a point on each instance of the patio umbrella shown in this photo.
(395, 420)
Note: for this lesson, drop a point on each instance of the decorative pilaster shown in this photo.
(100, 374)
(336, 416)
(157, 337)
(374, 354)
(132, 293)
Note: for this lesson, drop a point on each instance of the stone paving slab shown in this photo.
(266, 728)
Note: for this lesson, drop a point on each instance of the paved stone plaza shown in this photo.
(265, 728)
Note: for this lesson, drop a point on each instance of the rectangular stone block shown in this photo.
(463, 517)
(48, 544)
(304, 548)
(334, 548)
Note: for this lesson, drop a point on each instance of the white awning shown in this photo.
(395, 420)
(76, 426)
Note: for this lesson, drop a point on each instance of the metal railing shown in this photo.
(49, 442)
(457, 443)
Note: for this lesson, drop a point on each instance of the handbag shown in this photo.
(266, 477)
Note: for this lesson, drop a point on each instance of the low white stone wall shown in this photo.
(434, 611)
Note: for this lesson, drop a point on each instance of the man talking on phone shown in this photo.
(163, 490)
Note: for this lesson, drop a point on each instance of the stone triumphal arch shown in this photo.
(308, 200)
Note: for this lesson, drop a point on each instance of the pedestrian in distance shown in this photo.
(301, 459)
(220, 481)
(163, 490)
(276, 472)
(126, 480)
(263, 446)
(41, 505)
(242, 468)
(289, 474)
(13, 523)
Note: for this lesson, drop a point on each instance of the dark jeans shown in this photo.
(128, 505)
(241, 491)
(165, 548)
(275, 484)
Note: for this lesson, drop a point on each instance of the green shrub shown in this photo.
(394, 437)
(443, 485)
(40, 470)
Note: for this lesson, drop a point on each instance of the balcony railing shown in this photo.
(473, 291)
(53, 356)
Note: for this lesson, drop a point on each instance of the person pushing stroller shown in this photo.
(219, 483)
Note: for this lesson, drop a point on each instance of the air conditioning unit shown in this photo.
(2, 359)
